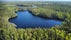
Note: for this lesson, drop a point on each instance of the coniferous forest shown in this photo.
(53, 10)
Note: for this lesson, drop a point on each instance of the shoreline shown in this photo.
(31, 13)
(46, 17)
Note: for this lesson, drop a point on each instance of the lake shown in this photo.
(25, 19)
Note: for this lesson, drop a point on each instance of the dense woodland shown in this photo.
(8, 31)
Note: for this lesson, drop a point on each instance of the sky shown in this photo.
(35, 0)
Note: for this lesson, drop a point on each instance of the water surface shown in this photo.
(25, 19)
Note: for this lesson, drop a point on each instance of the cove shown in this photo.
(25, 19)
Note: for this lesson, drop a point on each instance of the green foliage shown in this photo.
(9, 32)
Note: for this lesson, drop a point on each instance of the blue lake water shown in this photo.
(25, 19)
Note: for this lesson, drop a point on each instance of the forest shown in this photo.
(8, 31)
